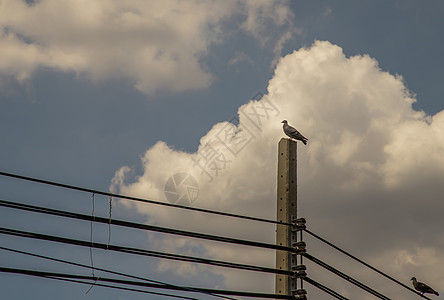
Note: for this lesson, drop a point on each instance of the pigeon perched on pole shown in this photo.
(293, 133)
(423, 288)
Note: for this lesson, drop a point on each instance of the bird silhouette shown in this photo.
(293, 133)
(423, 288)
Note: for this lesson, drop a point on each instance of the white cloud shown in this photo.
(261, 12)
(152, 45)
(370, 178)
(241, 57)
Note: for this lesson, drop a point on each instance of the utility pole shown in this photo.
(286, 213)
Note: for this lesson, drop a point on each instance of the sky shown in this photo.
(133, 96)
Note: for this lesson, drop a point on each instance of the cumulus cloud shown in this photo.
(370, 178)
(152, 45)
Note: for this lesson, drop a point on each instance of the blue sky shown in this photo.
(86, 89)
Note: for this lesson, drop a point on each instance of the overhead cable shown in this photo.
(166, 230)
(72, 187)
(141, 252)
(324, 288)
(345, 276)
(79, 280)
(144, 284)
(364, 263)
(172, 286)
(99, 269)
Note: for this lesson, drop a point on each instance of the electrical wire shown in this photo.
(184, 233)
(82, 189)
(364, 263)
(89, 267)
(143, 284)
(71, 278)
(119, 288)
(110, 201)
(345, 276)
(91, 238)
(324, 288)
(80, 243)
(141, 252)
(166, 230)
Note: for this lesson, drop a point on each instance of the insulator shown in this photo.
(301, 221)
(300, 268)
(300, 247)
(300, 274)
(298, 224)
(300, 292)
(300, 251)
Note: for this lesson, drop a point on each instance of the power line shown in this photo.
(82, 189)
(324, 288)
(145, 252)
(364, 263)
(43, 275)
(81, 265)
(76, 279)
(85, 244)
(346, 277)
(142, 284)
(100, 246)
(166, 230)
(118, 287)
(136, 251)
(191, 234)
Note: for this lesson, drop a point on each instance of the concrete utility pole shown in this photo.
(286, 212)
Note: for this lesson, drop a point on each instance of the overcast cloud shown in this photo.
(371, 173)
(152, 45)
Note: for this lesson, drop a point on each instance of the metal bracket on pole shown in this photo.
(294, 257)
(299, 269)
(299, 273)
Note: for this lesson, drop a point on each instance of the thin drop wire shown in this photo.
(91, 239)
(110, 199)
(90, 248)
(92, 285)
